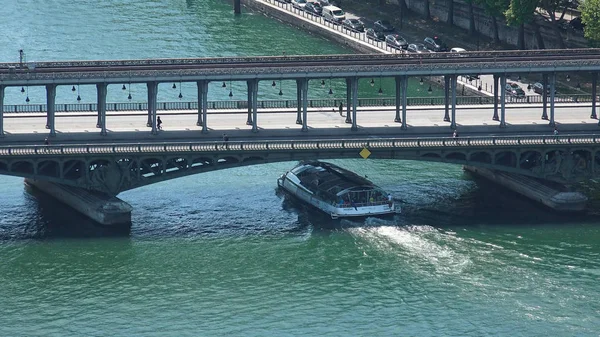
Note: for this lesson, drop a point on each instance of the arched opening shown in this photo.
(506, 158)
(73, 169)
(481, 157)
(23, 167)
(49, 168)
(530, 160)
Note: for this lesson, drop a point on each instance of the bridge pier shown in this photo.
(249, 100)
(2, 111)
(398, 81)
(101, 89)
(545, 96)
(552, 97)
(446, 98)
(594, 94)
(203, 97)
(254, 121)
(299, 101)
(453, 118)
(354, 81)
(503, 100)
(495, 116)
(348, 101)
(304, 89)
(237, 7)
(199, 85)
(404, 81)
(104, 209)
(152, 92)
(51, 108)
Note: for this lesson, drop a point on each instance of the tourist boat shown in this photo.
(336, 191)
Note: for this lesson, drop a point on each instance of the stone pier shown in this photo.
(534, 189)
(104, 209)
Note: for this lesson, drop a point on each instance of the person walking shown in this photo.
(341, 109)
(556, 135)
(159, 123)
(225, 140)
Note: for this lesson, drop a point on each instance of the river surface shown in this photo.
(224, 254)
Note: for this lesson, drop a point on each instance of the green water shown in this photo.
(224, 254)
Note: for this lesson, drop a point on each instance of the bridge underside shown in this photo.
(115, 173)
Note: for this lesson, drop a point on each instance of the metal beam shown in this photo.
(204, 96)
(51, 107)
(552, 94)
(101, 91)
(249, 86)
(398, 81)
(503, 100)
(453, 118)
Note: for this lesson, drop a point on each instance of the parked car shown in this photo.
(383, 26)
(313, 7)
(435, 44)
(538, 88)
(354, 24)
(472, 77)
(417, 48)
(324, 3)
(299, 4)
(514, 90)
(460, 52)
(375, 35)
(333, 14)
(396, 41)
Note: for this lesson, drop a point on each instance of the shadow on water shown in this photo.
(55, 220)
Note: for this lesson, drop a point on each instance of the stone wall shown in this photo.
(483, 24)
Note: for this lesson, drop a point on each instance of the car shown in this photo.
(514, 90)
(435, 44)
(299, 4)
(396, 41)
(383, 26)
(417, 48)
(472, 77)
(538, 88)
(457, 50)
(333, 14)
(324, 3)
(313, 7)
(375, 35)
(354, 24)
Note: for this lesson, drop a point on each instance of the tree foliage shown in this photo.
(590, 16)
(520, 11)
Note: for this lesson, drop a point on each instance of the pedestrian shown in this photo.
(225, 140)
(556, 135)
(390, 200)
(455, 134)
(159, 123)
(341, 108)
(46, 141)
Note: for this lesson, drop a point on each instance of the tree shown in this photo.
(552, 7)
(519, 13)
(590, 16)
(495, 9)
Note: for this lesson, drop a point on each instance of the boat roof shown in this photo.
(331, 178)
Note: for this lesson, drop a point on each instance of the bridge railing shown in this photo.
(295, 145)
(286, 104)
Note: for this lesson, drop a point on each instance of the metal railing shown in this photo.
(296, 145)
(287, 104)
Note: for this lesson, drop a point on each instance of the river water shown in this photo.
(223, 253)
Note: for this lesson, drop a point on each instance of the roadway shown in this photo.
(278, 123)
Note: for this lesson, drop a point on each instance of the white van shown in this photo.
(333, 14)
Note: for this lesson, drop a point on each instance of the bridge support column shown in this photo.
(354, 102)
(552, 95)
(101, 89)
(496, 78)
(594, 94)
(199, 85)
(249, 84)
(254, 121)
(453, 119)
(545, 97)
(51, 104)
(304, 86)
(203, 95)
(348, 101)
(2, 111)
(398, 80)
(404, 81)
(237, 7)
(152, 91)
(299, 101)
(446, 98)
(503, 101)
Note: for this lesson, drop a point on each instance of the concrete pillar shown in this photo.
(204, 96)
(545, 96)
(2, 111)
(101, 89)
(304, 104)
(237, 7)
(254, 98)
(199, 85)
(453, 118)
(349, 100)
(503, 101)
(552, 94)
(495, 117)
(594, 94)
(299, 101)
(446, 98)
(249, 86)
(404, 100)
(51, 104)
(398, 80)
(152, 91)
(354, 102)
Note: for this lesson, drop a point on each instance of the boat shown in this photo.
(336, 191)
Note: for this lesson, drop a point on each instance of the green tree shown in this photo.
(590, 16)
(495, 9)
(519, 13)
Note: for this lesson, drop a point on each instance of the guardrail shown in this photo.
(296, 145)
(285, 104)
